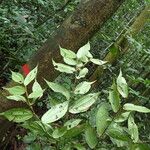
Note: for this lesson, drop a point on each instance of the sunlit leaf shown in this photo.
(114, 98)
(70, 61)
(59, 132)
(82, 73)
(72, 123)
(31, 76)
(63, 68)
(59, 88)
(123, 117)
(122, 85)
(17, 98)
(133, 129)
(83, 87)
(16, 90)
(17, 77)
(17, 114)
(98, 62)
(55, 113)
(132, 107)
(83, 103)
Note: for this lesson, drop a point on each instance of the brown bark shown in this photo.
(75, 31)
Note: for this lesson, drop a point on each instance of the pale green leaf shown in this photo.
(133, 129)
(83, 103)
(36, 94)
(98, 62)
(122, 86)
(114, 98)
(91, 137)
(59, 88)
(102, 119)
(31, 76)
(83, 87)
(17, 114)
(70, 61)
(17, 98)
(16, 90)
(82, 73)
(72, 123)
(59, 132)
(132, 107)
(123, 117)
(67, 53)
(83, 51)
(17, 77)
(63, 68)
(36, 87)
(55, 113)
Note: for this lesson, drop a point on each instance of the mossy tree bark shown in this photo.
(75, 31)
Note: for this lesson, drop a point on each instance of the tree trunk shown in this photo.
(75, 31)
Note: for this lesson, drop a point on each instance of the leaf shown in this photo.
(83, 87)
(67, 53)
(70, 61)
(133, 129)
(17, 114)
(83, 103)
(102, 119)
(55, 113)
(132, 107)
(83, 51)
(122, 86)
(123, 117)
(31, 76)
(118, 133)
(82, 73)
(90, 137)
(72, 123)
(16, 90)
(63, 68)
(73, 132)
(37, 91)
(114, 98)
(59, 88)
(59, 132)
(78, 146)
(98, 62)
(17, 98)
(17, 77)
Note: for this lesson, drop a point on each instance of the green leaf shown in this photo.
(114, 98)
(70, 61)
(17, 114)
(67, 53)
(73, 132)
(17, 98)
(83, 51)
(17, 77)
(31, 76)
(55, 113)
(132, 107)
(98, 62)
(83, 87)
(37, 91)
(133, 129)
(72, 123)
(59, 132)
(102, 119)
(123, 117)
(90, 137)
(78, 146)
(83, 103)
(82, 73)
(59, 88)
(63, 68)
(117, 132)
(16, 90)
(122, 86)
